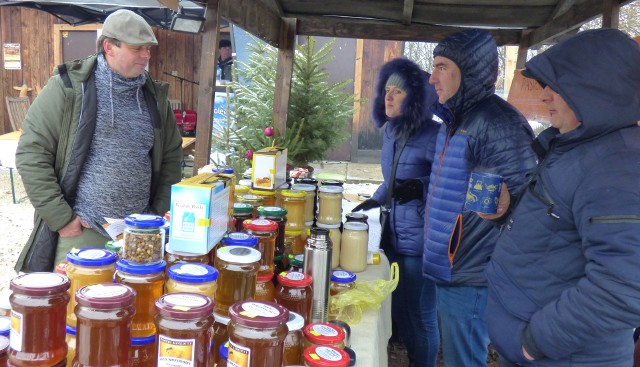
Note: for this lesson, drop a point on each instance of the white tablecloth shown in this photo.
(8, 147)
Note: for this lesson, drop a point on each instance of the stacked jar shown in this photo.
(266, 231)
(239, 239)
(294, 293)
(219, 334)
(336, 236)
(268, 197)
(310, 201)
(254, 200)
(241, 212)
(278, 215)
(294, 203)
(192, 278)
(293, 343)
(354, 249)
(172, 257)
(237, 276)
(144, 239)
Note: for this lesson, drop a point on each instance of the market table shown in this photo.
(8, 147)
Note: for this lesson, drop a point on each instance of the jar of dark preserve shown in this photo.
(278, 215)
(241, 212)
(294, 293)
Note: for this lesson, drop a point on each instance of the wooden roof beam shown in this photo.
(255, 17)
(407, 12)
(610, 13)
(284, 74)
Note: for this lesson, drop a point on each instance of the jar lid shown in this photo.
(296, 321)
(5, 325)
(272, 211)
(238, 254)
(293, 194)
(304, 187)
(224, 350)
(114, 246)
(228, 171)
(265, 277)
(342, 276)
(319, 231)
(91, 257)
(70, 330)
(308, 180)
(323, 333)
(240, 239)
(40, 284)
(355, 226)
(357, 216)
(258, 314)
(222, 319)
(241, 189)
(296, 259)
(184, 306)
(143, 340)
(105, 295)
(250, 197)
(193, 273)
(325, 356)
(144, 220)
(140, 268)
(242, 208)
(328, 226)
(331, 189)
(292, 232)
(260, 225)
(262, 192)
(245, 182)
(332, 183)
(294, 279)
(62, 268)
(4, 346)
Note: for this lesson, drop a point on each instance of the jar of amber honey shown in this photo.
(265, 290)
(293, 202)
(256, 334)
(325, 356)
(309, 201)
(71, 345)
(192, 278)
(294, 341)
(341, 280)
(278, 215)
(237, 276)
(172, 257)
(184, 321)
(219, 334)
(294, 242)
(336, 236)
(84, 267)
(330, 204)
(38, 307)
(266, 231)
(254, 200)
(294, 293)
(143, 352)
(323, 333)
(148, 282)
(268, 197)
(103, 332)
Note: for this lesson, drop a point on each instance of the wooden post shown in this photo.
(284, 73)
(510, 66)
(522, 49)
(357, 96)
(610, 13)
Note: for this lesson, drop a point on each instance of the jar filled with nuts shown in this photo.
(143, 239)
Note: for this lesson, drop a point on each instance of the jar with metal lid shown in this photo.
(354, 247)
(219, 335)
(87, 266)
(192, 278)
(308, 181)
(330, 204)
(184, 321)
(143, 352)
(237, 276)
(241, 212)
(278, 215)
(268, 197)
(296, 262)
(256, 334)
(71, 345)
(172, 257)
(266, 230)
(239, 239)
(245, 182)
(4, 349)
(323, 333)
(265, 290)
(331, 183)
(38, 307)
(294, 341)
(341, 280)
(336, 237)
(148, 282)
(223, 353)
(294, 242)
(144, 238)
(115, 246)
(357, 217)
(294, 293)
(5, 326)
(241, 189)
(294, 202)
(310, 200)
(254, 200)
(103, 334)
(325, 356)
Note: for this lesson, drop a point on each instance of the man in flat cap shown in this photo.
(99, 142)
(225, 60)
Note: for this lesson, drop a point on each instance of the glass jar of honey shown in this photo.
(237, 276)
(354, 247)
(266, 231)
(357, 217)
(294, 293)
(336, 236)
(240, 239)
(219, 334)
(143, 352)
(241, 212)
(192, 278)
(38, 307)
(324, 356)
(293, 202)
(87, 266)
(265, 290)
(323, 333)
(278, 215)
(309, 201)
(184, 321)
(143, 239)
(296, 262)
(293, 242)
(4, 349)
(294, 341)
(341, 280)
(256, 334)
(103, 332)
(71, 345)
(223, 353)
(254, 200)
(148, 282)
(268, 197)
(330, 204)
(172, 257)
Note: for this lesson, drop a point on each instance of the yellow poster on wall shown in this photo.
(11, 56)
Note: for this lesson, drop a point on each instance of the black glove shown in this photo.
(408, 190)
(366, 205)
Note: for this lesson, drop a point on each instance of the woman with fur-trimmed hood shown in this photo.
(401, 108)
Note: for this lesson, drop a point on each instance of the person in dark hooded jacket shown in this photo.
(564, 288)
(401, 105)
(481, 132)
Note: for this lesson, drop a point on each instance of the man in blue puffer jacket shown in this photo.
(481, 132)
(564, 288)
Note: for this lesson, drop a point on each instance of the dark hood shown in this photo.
(602, 89)
(415, 108)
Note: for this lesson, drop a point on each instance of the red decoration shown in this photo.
(268, 131)
(248, 154)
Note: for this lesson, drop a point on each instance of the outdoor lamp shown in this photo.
(187, 23)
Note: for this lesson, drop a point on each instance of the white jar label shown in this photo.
(193, 269)
(238, 356)
(253, 309)
(295, 275)
(176, 352)
(185, 300)
(324, 330)
(92, 254)
(328, 354)
(105, 291)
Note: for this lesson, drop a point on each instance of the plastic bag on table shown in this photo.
(348, 306)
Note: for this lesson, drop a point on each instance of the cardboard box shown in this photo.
(269, 168)
(199, 213)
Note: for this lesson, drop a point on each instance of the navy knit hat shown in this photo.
(224, 43)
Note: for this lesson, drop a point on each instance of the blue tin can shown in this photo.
(483, 192)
